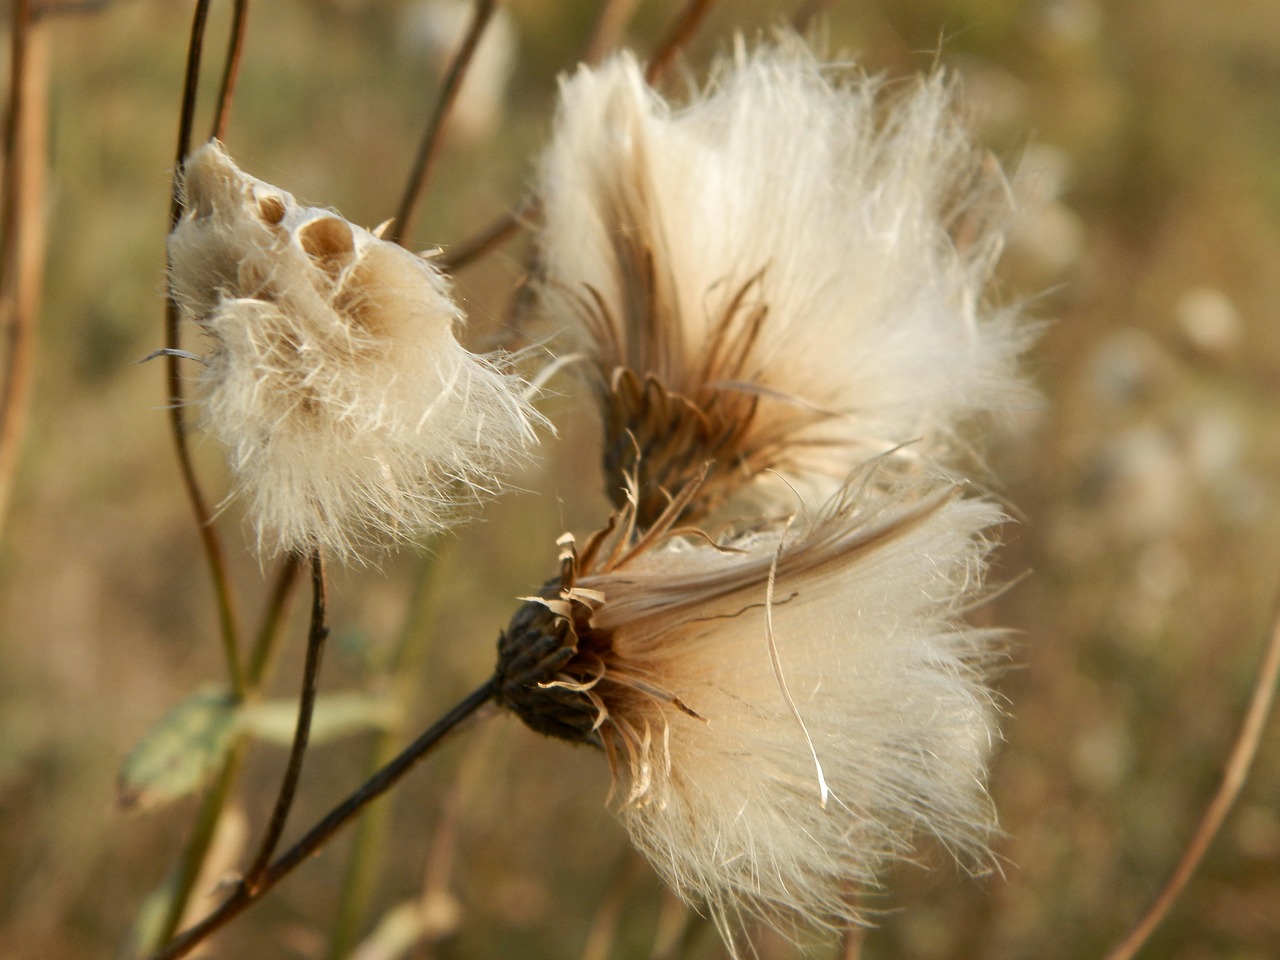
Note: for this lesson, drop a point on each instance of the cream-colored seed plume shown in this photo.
(351, 415)
(784, 712)
(798, 255)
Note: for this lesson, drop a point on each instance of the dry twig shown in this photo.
(21, 233)
(429, 149)
(322, 832)
(1234, 777)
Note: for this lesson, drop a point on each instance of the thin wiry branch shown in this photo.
(404, 671)
(261, 661)
(202, 834)
(677, 38)
(498, 232)
(322, 832)
(1234, 776)
(21, 234)
(316, 636)
(230, 69)
(506, 225)
(610, 23)
(264, 646)
(209, 538)
(429, 149)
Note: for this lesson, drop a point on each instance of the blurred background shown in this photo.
(1143, 139)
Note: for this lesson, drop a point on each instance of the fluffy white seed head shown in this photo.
(785, 711)
(350, 414)
(799, 246)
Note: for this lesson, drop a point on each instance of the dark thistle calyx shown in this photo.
(550, 658)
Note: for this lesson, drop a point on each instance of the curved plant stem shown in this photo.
(677, 38)
(230, 69)
(316, 636)
(322, 832)
(262, 658)
(215, 798)
(503, 227)
(190, 85)
(209, 538)
(202, 833)
(851, 943)
(429, 149)
(405, 671)
(1233, 780)
(21, 233)
(608, 27)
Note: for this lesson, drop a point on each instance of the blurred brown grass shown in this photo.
(1146, 488)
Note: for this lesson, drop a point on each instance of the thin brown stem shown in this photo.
(21, 234)
(804, 16)
(678, 36)
(429, 149)
(1234, 777)
(209, 538)
(404, 671)
(851, 942)
(277, 607)
(215, 799)
(190, 86)
(202, 834)
(498, 232)
(230, 69)
(322, 832)
(506, 225)
(610, 22)
(316, 636)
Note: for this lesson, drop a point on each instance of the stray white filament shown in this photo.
(772, 642)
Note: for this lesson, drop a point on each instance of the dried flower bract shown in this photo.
(785, 274)
(351, 415)
(784, 710)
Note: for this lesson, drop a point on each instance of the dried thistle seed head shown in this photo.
(784, 711)
(351, 416)
(784, 274)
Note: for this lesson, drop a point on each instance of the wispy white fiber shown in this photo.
(350, 414)
(804, 244)
(778, 797)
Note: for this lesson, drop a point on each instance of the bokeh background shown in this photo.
(1143, 141)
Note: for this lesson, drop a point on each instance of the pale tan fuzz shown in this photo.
(786, 273)
(351, 416)
(784, 711)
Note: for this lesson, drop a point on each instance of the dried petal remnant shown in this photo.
(351, 415)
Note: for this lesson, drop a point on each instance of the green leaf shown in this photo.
(336, 715)
(151, 916)
(180, 752)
